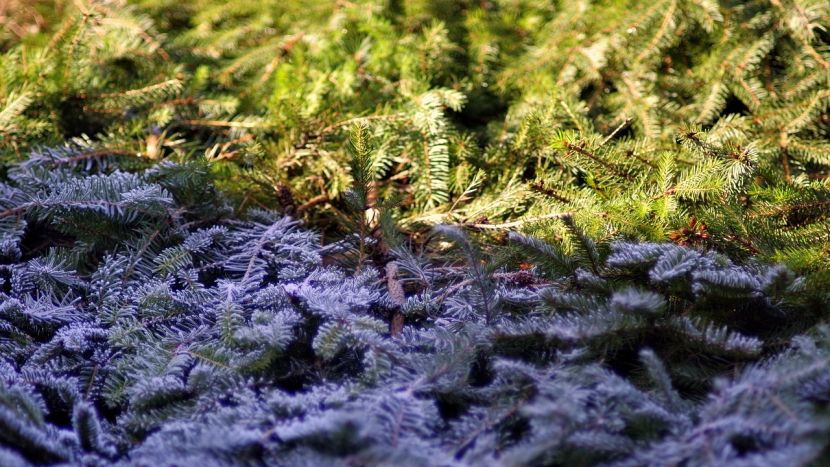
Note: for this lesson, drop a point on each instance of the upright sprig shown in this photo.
(357, 198)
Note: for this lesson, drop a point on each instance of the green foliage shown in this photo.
(537, 233)
(495, 111)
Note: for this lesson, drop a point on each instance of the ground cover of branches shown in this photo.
(423, 233)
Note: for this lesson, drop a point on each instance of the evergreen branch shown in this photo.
(93, 155)
(578, 149)
(663, 28)
(136, 92)
(141, 31)
(480, 278)
(219, 123)
(352, 121)
(71, 53)
(519, 223)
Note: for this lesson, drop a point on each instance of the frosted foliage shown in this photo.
(182, 335)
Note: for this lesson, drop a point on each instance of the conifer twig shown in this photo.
(335, 126)
(518, 223)
(614, 133)
(580, 150)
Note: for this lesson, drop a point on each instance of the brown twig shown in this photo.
(313, 201)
